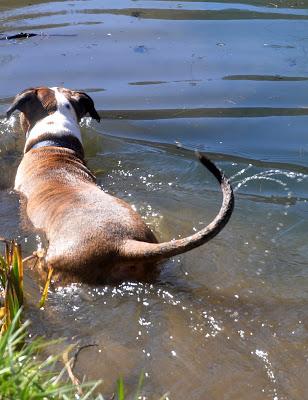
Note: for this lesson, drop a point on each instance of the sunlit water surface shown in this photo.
(225, 321)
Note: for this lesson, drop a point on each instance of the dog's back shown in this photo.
(85, 227)
(92, 236)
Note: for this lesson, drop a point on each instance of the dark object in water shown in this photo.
(20, 35)
(26, 35)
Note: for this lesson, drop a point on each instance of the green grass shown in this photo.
(23, 376)
(23, 373)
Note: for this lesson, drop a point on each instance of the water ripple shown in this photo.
(268, 175)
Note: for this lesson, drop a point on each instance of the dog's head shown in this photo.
(37, 103)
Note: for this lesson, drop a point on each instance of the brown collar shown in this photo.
(65, 141)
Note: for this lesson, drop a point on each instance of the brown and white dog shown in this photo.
(92, 236)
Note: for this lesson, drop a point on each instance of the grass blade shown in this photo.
(11, 280)
(140, 385)
(120, 384)
(45, 291)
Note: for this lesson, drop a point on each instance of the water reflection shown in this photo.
(227, 320)
(203, 321)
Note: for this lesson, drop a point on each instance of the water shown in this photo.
(228, 320)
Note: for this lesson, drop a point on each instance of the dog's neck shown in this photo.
(58, 127)
(65, 141)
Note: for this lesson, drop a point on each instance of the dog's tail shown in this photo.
(136, 250)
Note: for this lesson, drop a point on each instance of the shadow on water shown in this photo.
(228, 320)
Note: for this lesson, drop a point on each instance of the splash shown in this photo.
(200, 322)
(7, 124)
(270, 175)
(69, 290)
(241, 172)
(263, 355)
(289, 183)
(86, 122)
(10, 138)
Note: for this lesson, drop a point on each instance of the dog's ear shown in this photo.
(83, 105)
(22, 101)
(34, 104)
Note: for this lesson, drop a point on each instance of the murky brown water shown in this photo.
(228, 320)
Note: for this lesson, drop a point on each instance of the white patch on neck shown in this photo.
(62, 122)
